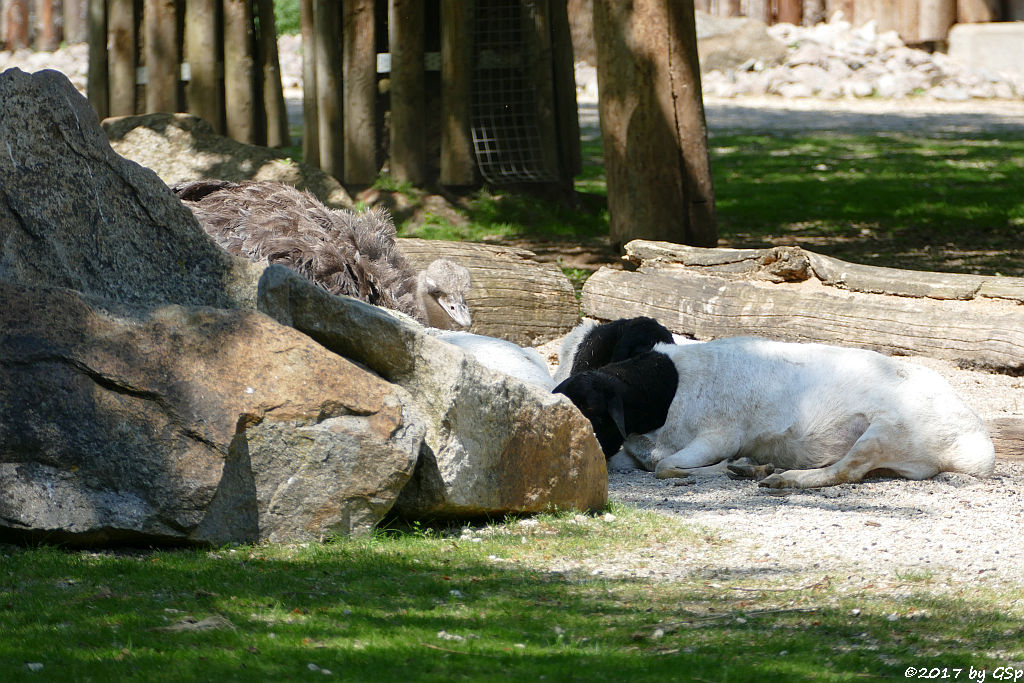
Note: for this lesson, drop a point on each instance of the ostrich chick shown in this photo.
(344, 252)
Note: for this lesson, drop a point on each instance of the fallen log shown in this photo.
(513, 296)
(791, 294)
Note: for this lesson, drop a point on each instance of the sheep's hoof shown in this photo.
(749, 471)
(671, 473)
(778, 481)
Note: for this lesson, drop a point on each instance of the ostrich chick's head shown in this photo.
(442, 289)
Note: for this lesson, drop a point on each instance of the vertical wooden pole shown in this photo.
(458, 164)
(330, 121)
(204, 93)
(310, 139)
(123, 51)
(566, 107)
(161, 54)
(844, 6)
(75, 21)
(977, 11)
(760, 10)
(359, 72)
(16, 24)
(907, 14)
(408, 118)
(239, 79)
(537, 49)
(887, 15)
(814, 12)
(730, 8)
(98, 85)
(652, 122)
(276, 114)
(791, 11)
(50, 34)
(935, 20)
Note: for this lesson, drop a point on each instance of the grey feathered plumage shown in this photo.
(344, 252)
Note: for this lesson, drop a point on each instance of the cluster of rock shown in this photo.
(154, 389)
(833, 60)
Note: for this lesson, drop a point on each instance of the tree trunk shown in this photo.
(98, 84)
(458, 165)
(977, 11)
(270, 71)
(405, 39)
(652, 122)
(310, 136)
(162, 60)
(204, 92)
(76, 21)
(359, 73)
(239, 77)
(123, 51)
(330, 123)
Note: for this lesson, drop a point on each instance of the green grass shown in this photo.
(286, 17)
(926, 203)
(475, 604)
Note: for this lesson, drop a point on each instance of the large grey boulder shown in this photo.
(725, 43)
(74, 214)
(493, 445)
(187, 425)
(183, 147)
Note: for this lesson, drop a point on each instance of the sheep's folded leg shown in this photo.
(699, 453)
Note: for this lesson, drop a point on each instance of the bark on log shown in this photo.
(513, 296)
(791, 294)
(1007, 436)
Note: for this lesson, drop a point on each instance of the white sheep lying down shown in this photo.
(825, 414)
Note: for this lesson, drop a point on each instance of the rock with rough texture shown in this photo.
(493, 445)
(725, 43)
(183, 147)
(187, 425)
(74, 214)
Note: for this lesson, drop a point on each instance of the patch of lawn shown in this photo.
(476, 604)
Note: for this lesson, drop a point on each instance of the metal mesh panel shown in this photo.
(504, 120)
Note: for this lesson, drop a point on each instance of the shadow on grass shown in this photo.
(411, 609)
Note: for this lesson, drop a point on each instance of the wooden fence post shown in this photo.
(50, 33)
(239, 83)
(791, 11)
(814, 12)
(98, 85)
(76, 21)
(204, 92)
(123, 50)
(276, 114)
(405, 42)
(16, 24)
(359, 73)
(566, 108)
(160, 28)
(537, 51)
(977, 11)
(458, 164)
(330, 123)
(935, 19)
(760, 10)
(310, 139)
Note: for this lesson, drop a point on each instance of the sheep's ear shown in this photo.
(617, 412)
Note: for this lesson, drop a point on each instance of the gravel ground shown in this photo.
(955, 531)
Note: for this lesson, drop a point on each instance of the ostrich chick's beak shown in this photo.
(457, 309)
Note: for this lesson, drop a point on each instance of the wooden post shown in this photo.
(16, 25)
(98, 85)
(935, 20)
(276, 114)
(814, 12)
(887, 15)
(566, 107)
(204, 92)
(330, 123)
(537, 49)
(310, 139)
(405, 42)
(730, 8)
(844, 6)
(791, 11)
(359, 72)
(49, 35)
(458, 164)
(160, 25)
(652, 122)
(907, 14)
(977, 11)
(123, 51)
(239, 82)
(76, 21)
(760, 10)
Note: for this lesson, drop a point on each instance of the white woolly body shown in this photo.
(503, 356)
(833, 414)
